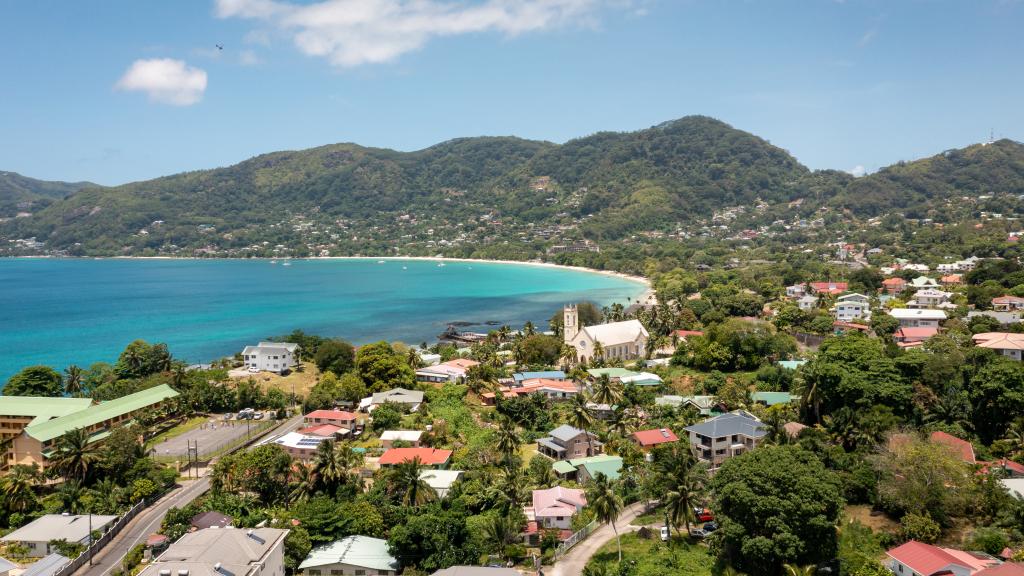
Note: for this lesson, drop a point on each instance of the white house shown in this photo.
(619, 340)
(807, 302)
(923, 282)
(931, 298)
(918, 317)
(441, 480)
(852, 307)
(410, 437)
(351, 555)
(1009, 344)
(271, 357)
(796, 290)
(36, 535)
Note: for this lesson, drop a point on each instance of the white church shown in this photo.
(620, 340)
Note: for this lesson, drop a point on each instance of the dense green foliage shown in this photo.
(23, 194)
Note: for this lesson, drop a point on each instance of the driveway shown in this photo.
(572, 563)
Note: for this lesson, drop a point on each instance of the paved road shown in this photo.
(572, 563)
(212, 435)
(148, 521)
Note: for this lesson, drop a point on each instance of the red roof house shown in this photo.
(653, 437)
(336, 417)
(829, 287)
(962, 447)
(1004, 569)
(912, 334)
(919, 559)
(684, 334)
(427, 456)
(894, 285)
(325, 430)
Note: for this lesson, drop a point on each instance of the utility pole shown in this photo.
(90, 538)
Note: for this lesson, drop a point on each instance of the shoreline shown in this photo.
(646, 297)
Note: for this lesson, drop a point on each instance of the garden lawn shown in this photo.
(656, 558)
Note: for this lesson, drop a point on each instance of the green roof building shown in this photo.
(36, 423)
(773, 398)
(584, 469)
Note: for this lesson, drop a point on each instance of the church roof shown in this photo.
(616, 332)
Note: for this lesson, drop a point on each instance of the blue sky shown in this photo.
(113, 91)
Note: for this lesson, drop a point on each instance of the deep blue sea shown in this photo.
(60, 312)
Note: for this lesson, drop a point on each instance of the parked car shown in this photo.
(254, 370)
(710, 526)
(258, 415)
(665, 534)
(697, 533)
(703, 514)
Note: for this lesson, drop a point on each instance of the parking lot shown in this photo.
(210, 436)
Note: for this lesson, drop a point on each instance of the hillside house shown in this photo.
(555, 507)
(453, 371)
(850, 307)
(428, 457)
(918, 317)
(807, 302)
(717, 439)
(567, 442)
(647, 439)
(931, 298)
(278, 357)
(919, 559)
(1009, 344)
(894, 286)
(351, 555)
(1008, 303)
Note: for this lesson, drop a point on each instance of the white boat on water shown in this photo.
(286, 264)
(273, 261)
(380, 261)
(440, 264)
(405, 267)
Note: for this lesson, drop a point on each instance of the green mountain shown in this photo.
(614, 183)
(23, 194)
(500, 196)
(915, 187)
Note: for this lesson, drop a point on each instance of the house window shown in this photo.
(314, 573)
(336, 572)
(360, 572)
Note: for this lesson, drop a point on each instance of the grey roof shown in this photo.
(565, 433)
(1002, 317)
(47, 565)
(73, 528)
(399, 395)
(729, 424)
(6, 565)
(550, 444)
(363, 551)
(235, 548)
(210, 519)
(475, 571)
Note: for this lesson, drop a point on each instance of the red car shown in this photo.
(703, 515)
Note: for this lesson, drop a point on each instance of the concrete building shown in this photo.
(441, 480)
(411, 398)
(276, 357)
(619, 340)
(555, 507)
(223, 552)
(36, 424)
(445, 372)
(717, 439)
(74, 528)
(1009, 344)
(852, 307)
(351, 555)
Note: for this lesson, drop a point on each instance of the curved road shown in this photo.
(572, 563)
(149, 520)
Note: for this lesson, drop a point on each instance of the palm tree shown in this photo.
(508, 440)
(16, 488)
(606, 391)
(507, 488)
(75, 455)
(413, 359)
(503, 530)
(327, 466)
(569, 356)
(303, 483)
(580, 415)
(529, 329)
(606, 504)
(70, 494)
(598, 352)
(503, 332)
(1015, 436)
(686, 492)
(404, 480)
(797, 570)
(73, 381)
(621, 423)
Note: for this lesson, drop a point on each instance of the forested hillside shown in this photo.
(23, 194)
(506, 197)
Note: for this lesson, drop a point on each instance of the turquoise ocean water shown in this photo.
(62, 312)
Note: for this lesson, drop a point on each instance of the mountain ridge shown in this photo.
(345, 198)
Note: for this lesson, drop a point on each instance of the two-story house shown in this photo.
(851, 307)
(894, 286)
(717, 439)
(276, 357)
(567, 442)
(931, 298)
(918, 317)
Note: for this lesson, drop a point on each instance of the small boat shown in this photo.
(405, 267)
(286, 264)
(440, 264)
(273, 261)
(380, 261)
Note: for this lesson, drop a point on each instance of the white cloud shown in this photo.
(355, 32)
(857, 171)
(165, 80)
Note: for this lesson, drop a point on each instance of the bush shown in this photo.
(920, 527)
(989, 539)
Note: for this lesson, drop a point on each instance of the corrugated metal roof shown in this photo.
(100, 412)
